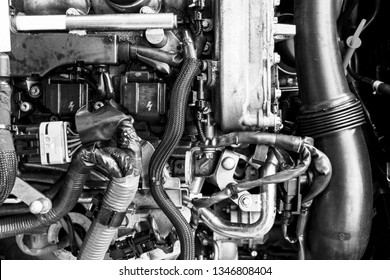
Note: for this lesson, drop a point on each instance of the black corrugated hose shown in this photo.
(173, 134)
(65, 200)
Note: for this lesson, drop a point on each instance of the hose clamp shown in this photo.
(109, 217)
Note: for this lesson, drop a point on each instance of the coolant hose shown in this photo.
(8, 161)
(65, 200)
(125, 169)
(340, 220)
(173, 134)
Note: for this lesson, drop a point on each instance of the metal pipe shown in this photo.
(265, 221)
(114, 22)
(340, 221)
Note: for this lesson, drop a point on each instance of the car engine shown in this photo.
(194, 129)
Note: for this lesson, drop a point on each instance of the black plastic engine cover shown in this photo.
(145, 101)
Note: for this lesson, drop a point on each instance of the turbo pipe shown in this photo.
(265, 221)
(114, 22)
(340, 220)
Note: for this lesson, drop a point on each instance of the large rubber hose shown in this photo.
(65, 200)
(173, 134)
(119, 194)
(8, 161)
(340, 221)
(22, 208)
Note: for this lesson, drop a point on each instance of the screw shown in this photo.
(228, 163)
(35, 91)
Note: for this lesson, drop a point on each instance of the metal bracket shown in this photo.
(38, 203)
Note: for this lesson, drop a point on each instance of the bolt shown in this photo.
(276, 3)
(228, 163)
(98, 105)
(207, 48)
(147, 10)
(207, 25)
(254, 254)
(209, 155)
(343, 236)
(25, 107)
(53, 118)
(246, 201)
(36, 207)
(35, 91)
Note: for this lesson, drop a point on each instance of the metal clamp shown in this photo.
(109, 217)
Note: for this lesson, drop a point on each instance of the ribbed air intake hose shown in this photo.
(64, 201)
(8, 161)
(340, 219)
(124, 166)
(173, 134)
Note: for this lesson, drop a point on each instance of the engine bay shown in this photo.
(194, 129)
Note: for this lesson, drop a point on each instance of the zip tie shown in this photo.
(353, 43)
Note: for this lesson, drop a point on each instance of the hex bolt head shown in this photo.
(246, 201)
(228, 163)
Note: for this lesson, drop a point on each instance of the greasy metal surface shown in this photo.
(40, 53)
(246, 57)
(54, 7)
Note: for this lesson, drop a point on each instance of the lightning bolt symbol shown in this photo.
(149, 106)
(71, 106)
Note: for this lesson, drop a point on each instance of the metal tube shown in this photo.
(262, 225)
(96, 22)
(339, 226)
